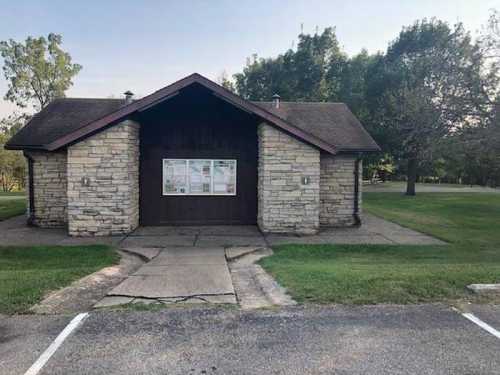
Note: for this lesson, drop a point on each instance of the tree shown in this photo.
(431, 81)
(304, 74)
(225, 81)
(37, 71)
(350, 78)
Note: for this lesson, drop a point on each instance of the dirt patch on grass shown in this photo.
(84, 293)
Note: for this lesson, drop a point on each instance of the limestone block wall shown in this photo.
(285, 203)
(337, 190)
(49, 185)
(103, 182)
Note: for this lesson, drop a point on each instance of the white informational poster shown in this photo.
(224, 176)
(199, 177)
(174, 176)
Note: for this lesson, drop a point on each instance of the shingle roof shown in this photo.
(334, 123)
(329, 126)
(61, 117)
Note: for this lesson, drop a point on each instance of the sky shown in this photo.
(144, 45)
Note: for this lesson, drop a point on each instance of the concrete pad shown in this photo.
(189, 251)
(166, 231)
(143, 252)
(110, 301)
(236, 252)
(418, 239)
(230, 230)
(373, 230)
(484, 288)
(151, 271)
(171, 260)
(158, 241)
(180, 280)
(218, 299)
(228, 241)
(226, 298)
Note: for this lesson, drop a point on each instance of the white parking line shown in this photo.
(49, 352)
(482, 324)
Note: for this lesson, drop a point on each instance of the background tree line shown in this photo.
(430, 100)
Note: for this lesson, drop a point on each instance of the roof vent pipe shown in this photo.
(276, 100)
(128, 96)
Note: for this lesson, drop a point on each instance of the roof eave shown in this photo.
(359, 150)
(9, 146)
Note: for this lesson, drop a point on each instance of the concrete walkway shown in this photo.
(373, 231)
(178, 274)
(15, 232)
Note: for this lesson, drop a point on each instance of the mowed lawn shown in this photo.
(368, 274)
(28, 273)
(12, 204)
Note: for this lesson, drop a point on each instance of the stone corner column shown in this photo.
(288, 183)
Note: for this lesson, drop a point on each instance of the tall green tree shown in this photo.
(430, 82)
(349, 76)
(300, 75)
(37, 70)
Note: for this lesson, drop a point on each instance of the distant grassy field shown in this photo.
(400, 186)
(12, 204)
(28, 273)
(366, 274)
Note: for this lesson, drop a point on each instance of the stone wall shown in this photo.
(49, 177)
(337, 190)
(108, 202)
(285, 203)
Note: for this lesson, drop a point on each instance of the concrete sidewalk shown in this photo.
(178, 274)
(374, 230)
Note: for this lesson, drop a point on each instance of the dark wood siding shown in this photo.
(197, 125)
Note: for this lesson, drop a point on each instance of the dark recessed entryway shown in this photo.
(195, 125)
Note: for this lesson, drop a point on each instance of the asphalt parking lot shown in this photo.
(423, 339)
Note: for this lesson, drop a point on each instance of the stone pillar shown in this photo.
(288, 183)
(103, 182)
(337, 190)
(49, 188)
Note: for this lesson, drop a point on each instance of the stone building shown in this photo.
(193, 153)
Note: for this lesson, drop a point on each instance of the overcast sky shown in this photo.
(144, 45)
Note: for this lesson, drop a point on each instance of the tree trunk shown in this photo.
(411, 176)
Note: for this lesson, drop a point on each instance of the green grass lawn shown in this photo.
(366, 274)
(28, 273)
(12, 204)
